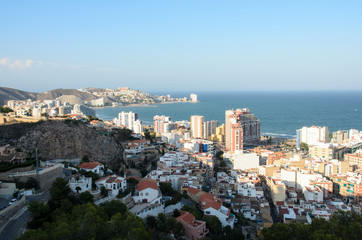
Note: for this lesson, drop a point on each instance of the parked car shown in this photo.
(12, 201)
(2, 208)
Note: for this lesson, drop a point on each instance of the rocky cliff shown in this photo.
(64, 140)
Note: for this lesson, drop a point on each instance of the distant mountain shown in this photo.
(10, 94)
(15, 94)
(122, 95)
(54, 94)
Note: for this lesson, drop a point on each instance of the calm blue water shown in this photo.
(279, 112)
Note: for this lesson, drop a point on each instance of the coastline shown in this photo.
(141, 105)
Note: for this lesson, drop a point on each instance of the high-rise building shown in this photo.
(126, 119)
(219, 135)
(159, 123)
(209, 128)
(193, 97)
(312, 135)
(241, 128)
(339, 137)
(197, 126)
(137, 126)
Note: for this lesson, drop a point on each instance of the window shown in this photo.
(141, 194)
(146, 194)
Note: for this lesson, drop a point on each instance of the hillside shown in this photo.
(53, 94)
(10, 94)
(122, 95)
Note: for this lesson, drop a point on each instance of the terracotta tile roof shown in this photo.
(207, 200)
(111, 179)
(140, 141)
(193, 190)
(187, 218)
(94, 122)
(90, 165)
(102, 179)
(147, 184)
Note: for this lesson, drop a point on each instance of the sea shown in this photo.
(280, 113)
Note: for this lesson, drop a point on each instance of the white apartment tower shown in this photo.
(312, 135)
(197, 126)
(126, 119)
(137, 126)
(193, 97)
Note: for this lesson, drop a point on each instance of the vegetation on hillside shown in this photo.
(68, 217)
(342, 225)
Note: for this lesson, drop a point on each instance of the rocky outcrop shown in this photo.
(61, 140)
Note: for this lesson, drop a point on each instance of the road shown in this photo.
(18, 224)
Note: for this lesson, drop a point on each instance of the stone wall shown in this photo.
(4, 176)
(46, 176)
(10, 211)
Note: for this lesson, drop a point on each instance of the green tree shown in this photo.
(85, 158)
(151, 221)
(304, 146)
(214, 226)
(233, 234)
(86, 197)
(88, 222)
(113, 207)
(5, 109)
(34, 235)
(91, 174)
(58, 192)
(219, 155)
(66, 206)
(176, 213)
(161, 226)
(166, 189)
(147, 135)
(139, 234)
(104, 191)
(40, 214)
(342, 225)
(143, 171)
(62, 231)
(222, 163)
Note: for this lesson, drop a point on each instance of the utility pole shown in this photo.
(37, 167)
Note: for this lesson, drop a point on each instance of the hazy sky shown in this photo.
(181, 45)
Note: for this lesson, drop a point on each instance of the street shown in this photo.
(18, 224)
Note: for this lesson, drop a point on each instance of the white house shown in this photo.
(147, 192)
(313, 194)
(95, 167)
(113, 184)
(79, 184)
(248, 189)
(245, 161)
(214, 207)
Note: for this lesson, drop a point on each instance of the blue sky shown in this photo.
(181, 45)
